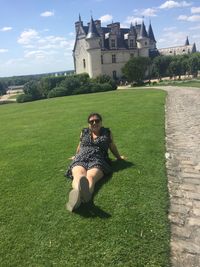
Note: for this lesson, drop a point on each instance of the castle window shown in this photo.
(84, 64)
(114, 74)
(113, 43)
(131, 55)
(113, 58)
(101, 59)
(131, 43)
(145, 43)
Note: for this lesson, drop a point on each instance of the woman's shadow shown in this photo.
(90, 210)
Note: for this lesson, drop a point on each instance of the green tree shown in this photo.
(136, 69)
(2, 88)
(161, 66)
(48, 83)
(194, 64)
(32, 88)
(105, 79)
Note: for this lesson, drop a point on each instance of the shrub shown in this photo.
(102, 79)
(57, 91)
(24, 98)
(83, 89)
(105, 87)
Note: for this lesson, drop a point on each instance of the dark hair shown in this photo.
(94, 114)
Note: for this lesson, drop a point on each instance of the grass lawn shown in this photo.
(188, 83)
(126, 225)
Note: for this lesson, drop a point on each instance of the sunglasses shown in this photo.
(94, 121)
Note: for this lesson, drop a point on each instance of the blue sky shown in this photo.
(37, 36)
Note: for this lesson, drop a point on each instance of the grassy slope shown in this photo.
(126, 226)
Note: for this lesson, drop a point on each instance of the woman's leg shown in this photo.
(77, 172)
(93, 176)
(75, 194)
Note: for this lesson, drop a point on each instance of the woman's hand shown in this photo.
(71, 158)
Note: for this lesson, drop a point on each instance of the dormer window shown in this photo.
(113, 45)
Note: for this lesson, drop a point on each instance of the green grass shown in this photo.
(126, 226)
(185, 83)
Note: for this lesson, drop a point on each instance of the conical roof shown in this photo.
(92, 31)
(194, 49)
(150, 33)
(143, 32)
(187, 41)
(132, 29)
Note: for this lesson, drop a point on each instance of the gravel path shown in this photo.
(183, 170)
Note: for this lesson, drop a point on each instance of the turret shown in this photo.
(187, 41)
(143, 41)
(152, 40)
(194, 49)
(92, 31)
(143, 32)
(94, 50)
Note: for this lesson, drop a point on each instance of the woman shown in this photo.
(91, 161)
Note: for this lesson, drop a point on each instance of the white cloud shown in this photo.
(195, 28)
(149, 12)
(173, 4)
(172, 38)
(3, 50)
(189, 18)
(27, 36)
(38, 54)
(6, 29)
(47, 14)
(132, 19)
(106, 18)
(195, 10)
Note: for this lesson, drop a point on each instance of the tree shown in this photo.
(135, 69)
(194, 64)
(105, 79)
(2, 88)
(161, 65)
(32, 89)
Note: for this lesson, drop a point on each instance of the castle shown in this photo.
(105, 50)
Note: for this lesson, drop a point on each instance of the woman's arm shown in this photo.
(77, 150)
(114, 150)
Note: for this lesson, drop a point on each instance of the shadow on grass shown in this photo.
(90, 210)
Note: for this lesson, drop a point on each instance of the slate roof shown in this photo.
(150, 33)
(187, 41)
(92, 30)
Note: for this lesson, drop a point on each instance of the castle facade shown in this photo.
(105, 50)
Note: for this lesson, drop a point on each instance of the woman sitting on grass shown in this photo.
(91, 161)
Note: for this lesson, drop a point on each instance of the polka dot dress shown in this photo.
(93, 152)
